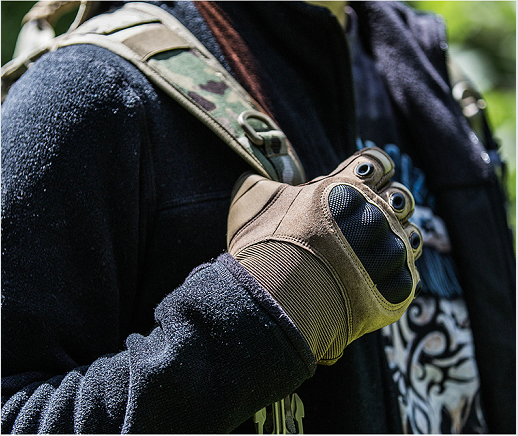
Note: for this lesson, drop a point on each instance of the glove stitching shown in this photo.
(270, 203)
(287, 212)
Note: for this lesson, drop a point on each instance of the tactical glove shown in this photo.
(336, 253)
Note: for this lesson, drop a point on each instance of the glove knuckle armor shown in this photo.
(381, 252)
(337, 253)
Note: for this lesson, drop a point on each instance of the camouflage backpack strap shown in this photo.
(175, 61)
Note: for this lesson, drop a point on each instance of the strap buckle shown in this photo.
(271, 138)
(251, 132)
(282, 417)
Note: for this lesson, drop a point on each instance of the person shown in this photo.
(115, 199)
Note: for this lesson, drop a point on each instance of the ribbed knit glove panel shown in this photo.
(337, 253)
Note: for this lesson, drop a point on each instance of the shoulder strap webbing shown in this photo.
(175, 61)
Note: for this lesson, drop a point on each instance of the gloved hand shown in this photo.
(336, 253)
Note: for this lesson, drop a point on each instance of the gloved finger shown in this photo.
(251, 192)
(400, 200)
(370, 166)
(415, 238)
(246, 181)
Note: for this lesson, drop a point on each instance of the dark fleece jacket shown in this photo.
(112, 194)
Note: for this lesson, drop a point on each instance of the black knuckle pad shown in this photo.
(373, 166)
(415, 239)
(382, 253)
(364, 169)
(400, 199)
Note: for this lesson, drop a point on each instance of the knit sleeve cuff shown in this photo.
(270, 306)
(222, 326)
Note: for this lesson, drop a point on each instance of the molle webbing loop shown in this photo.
(175, 61)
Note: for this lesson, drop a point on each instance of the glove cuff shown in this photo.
(318, 311)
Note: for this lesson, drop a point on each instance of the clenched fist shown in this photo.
(337, 253)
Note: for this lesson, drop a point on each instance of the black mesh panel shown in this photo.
(381, 252)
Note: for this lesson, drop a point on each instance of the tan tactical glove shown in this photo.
(336, 253)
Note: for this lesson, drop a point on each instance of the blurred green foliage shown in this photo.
(12, 13)
(482, 39)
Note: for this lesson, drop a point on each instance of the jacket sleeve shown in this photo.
(73, 129)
